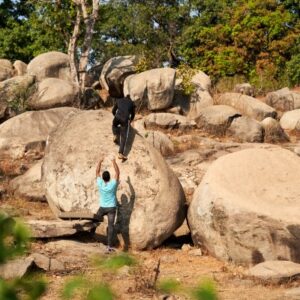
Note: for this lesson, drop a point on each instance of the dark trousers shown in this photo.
(120, 128)
(111, 213)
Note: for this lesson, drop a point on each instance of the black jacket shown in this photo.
(124, 109)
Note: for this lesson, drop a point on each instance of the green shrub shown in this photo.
(293, 70)
(14, 239)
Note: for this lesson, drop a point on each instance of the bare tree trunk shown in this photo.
(72, 48)
(89, 21)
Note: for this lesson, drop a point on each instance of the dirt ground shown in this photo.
(177, 262)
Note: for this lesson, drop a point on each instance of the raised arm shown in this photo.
(99, 167)
(117, 171)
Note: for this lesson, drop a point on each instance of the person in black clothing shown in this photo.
(124, 112)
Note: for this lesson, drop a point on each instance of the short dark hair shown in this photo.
(106, 176)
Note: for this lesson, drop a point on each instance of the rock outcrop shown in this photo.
(168, 121)
(29, 185)
(6, 69)
(54, 92)
(216, 119)
(26, 134)
(291, 120)
(20, 68)
(51, 64)
(114, 73)
(273, 133)
(150, 195)
(284, 100)
(245, 129)
(14, 93)
(247, 206)
(247, 105)
(154, 88)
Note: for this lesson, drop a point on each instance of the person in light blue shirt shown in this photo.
(108, 200)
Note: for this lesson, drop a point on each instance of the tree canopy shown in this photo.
(251, 38)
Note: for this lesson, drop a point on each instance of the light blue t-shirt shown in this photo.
(107, 192)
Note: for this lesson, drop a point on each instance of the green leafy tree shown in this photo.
(14, 238)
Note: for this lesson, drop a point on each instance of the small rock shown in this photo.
(186, 247)
(42, 261)
(124, 271)
(196, 252)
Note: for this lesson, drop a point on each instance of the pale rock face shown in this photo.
(168, 121)
(284, 99)
(114, 73)
(13, 92)
(199, 99)
(275, 270)
(291, 120)
(51, 64)
(245, 129)
(201, 81)
(246, 208)
(20, 68)
(247, 105)
(29, 185)
(6, 69)
(150, 195)
(154, 88)
(157, 139)
(27, 131)
(216, 119)
(54, 92)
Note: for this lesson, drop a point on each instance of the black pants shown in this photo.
(120, 128)
(111, 213)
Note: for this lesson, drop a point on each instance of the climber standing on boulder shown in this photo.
(124, 112)
(108, 198)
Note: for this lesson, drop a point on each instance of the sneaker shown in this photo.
(121, 156)
(110, 250)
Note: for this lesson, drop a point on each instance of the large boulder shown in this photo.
(20, 68)
(154, 87)
(6, 69)
(168, 121)
(247, 207)
(245, 129)
(201, 81)
(54, 92)
(29, 185)
(150, 209)
(290, 120)
(275, 271)
(25, 135)
(216, 119)
(198, 100)
(247, 105)
(14, 93)
(57, 228)
(114, 73)
(273, 132)
(51, 64)
(157, 139)
(284, 99)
